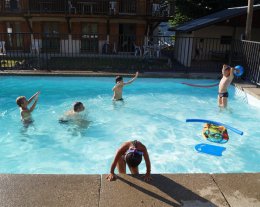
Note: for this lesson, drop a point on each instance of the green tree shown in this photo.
(186, 10)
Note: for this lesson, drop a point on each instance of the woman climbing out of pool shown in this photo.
(118, 88)
(228, 75)
(130, 153)
(23, 103)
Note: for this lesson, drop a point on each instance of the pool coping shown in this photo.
(227, 190)
(248, 88)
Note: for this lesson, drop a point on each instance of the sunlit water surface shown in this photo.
(154, 112)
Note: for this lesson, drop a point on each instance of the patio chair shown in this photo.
(2, 47)
(71, 8)
(156, 10)
(112, 7)
(114, 49)
(164, 9)
(36, 46)
(137, 50)
(157, 50)
(147, 51)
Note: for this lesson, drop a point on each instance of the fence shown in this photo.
(89, 7)
(251, 58)
(207, 54)
(127, 52)
(84, 51)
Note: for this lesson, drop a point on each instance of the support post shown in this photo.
(249, 19)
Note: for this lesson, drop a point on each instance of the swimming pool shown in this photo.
(154, 112)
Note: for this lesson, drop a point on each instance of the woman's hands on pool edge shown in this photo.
(111, 177)
(147, 177)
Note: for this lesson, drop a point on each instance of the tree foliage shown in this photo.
(186, 10)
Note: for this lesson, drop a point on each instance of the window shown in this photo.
(89, 41)
(50, 29)
(127, 6)
(127, 37)
(51, 37)
(15, 38)
(12, 4)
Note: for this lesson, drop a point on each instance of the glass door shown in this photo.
(51, 37)
(127, 6)
(127, 37)
(89, 39)
(15, 38)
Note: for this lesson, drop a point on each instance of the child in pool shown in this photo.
(130, 153)
(23, 103)
(73, 113)
(228, 76)
(118, 88)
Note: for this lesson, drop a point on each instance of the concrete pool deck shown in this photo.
(188, 190)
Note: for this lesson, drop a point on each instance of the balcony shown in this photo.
(153, 8)
(13, 6)
(84, 7)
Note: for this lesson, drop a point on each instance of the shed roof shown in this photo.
(212, 19)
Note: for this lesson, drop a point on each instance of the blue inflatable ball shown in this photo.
(239, 70)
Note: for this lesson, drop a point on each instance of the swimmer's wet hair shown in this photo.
(133, 159)
(19, 100)
(77, 105)
(119, 78)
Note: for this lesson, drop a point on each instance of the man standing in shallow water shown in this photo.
(118, 88)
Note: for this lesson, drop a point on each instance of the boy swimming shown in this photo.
(74, 113)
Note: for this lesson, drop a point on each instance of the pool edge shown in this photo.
(231, 189)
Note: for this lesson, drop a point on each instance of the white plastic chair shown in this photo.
(156, 9)
(114, 48)
(71, 7)
(36, 46)
(112, 7)
(2, 47)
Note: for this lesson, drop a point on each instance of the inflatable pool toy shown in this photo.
(201, 86)
(216, 123)
(239, 70)
(210, 149)
(213, 133)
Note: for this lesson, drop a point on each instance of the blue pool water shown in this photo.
(154, 112)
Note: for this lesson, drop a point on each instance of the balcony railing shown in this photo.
(13, 6)
(153, 8)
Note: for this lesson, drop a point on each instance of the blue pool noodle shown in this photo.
(216, 123)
